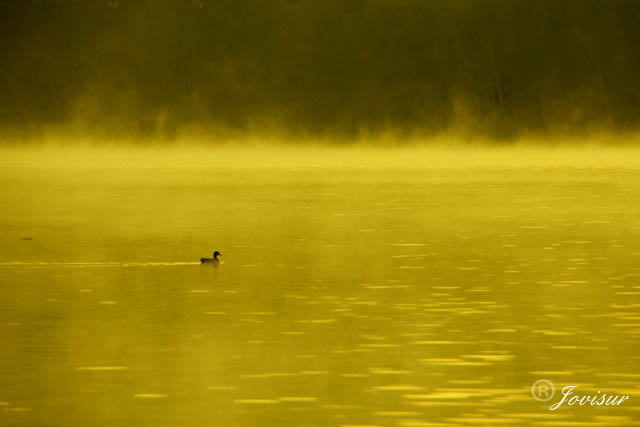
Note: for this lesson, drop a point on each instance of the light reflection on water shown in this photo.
(345, 297)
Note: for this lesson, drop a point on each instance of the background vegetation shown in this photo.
(498, 68)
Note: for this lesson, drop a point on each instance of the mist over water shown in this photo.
(388, 153)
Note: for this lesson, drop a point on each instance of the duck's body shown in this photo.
(214, 260)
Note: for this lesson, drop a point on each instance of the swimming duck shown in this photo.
(215, 259)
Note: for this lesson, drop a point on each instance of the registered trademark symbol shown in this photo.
(543, 390)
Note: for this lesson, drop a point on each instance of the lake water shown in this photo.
(347, 295)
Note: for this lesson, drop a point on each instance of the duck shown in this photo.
(215, 259)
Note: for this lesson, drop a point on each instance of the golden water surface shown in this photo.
(354, 295)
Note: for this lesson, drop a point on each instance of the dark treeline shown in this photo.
(497, 68)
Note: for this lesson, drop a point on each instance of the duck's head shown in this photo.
(216, 254)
